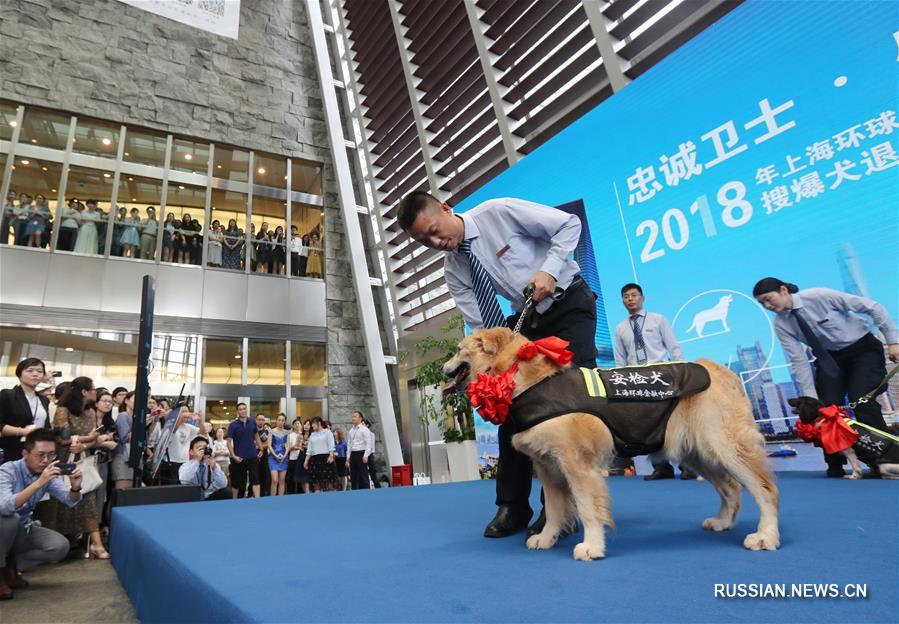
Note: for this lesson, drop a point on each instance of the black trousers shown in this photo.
(265, 476)
(862, 366)
(371, 470)
(358, 471)
(572, 318)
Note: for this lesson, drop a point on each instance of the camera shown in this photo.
(207, 452)
(67, 469)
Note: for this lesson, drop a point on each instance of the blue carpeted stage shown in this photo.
(417, 555)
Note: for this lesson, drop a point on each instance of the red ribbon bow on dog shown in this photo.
(492, 394)
(552, 347)
(829, 431)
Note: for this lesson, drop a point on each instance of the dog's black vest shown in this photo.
(633, 402)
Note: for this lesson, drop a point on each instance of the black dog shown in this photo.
(874, 447)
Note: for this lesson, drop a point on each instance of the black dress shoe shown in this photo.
(686, 474)
(540, 522)
(659, 474)
(508, 521)
(836, 472)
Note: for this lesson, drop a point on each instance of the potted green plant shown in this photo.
(452, 412)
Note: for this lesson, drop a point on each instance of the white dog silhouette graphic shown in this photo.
(717, 313)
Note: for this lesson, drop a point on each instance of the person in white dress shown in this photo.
(215, 238)
(86, 242)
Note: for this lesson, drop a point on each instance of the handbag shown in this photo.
(90, 476)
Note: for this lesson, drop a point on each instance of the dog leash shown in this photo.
(527, 310)
(870, 395)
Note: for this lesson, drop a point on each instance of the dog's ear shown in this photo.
(795, 402)
(492, 340)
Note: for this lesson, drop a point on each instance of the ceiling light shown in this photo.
(181, 187)
(26, 162)
(218, 166)
(74, 140)
(131, 179)
(34, 140)
(285, 177)
(43, 168)
(221, 401)
(107, 175)
(13, 124)
(52, 190)
(237, 357)
(127, 154)
(106, 142)
(260, 171)
(188, 157)
(133, 199)
(69, 349)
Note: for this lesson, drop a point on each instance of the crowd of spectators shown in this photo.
(64, 450)
(28, 222)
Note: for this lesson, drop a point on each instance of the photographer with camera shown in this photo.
(202, 470)
(23, 483)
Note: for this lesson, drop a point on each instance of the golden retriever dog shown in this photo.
(712, 432)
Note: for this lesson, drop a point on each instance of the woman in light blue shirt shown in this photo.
(849, 361)
(320, 457)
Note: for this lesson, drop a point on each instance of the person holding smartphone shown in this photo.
(23, 483)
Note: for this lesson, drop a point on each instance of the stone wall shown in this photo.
(106, 59)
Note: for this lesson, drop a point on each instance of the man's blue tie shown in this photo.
(491, 313)
(639, 344)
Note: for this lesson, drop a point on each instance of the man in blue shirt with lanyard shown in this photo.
(500, 247)
(645, 338)
(23, 483)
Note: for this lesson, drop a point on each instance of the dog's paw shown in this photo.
(717, 524)
(853, 476)
(587, 552)
(762, 541)
(541, 541)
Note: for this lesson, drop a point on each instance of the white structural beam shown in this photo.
(374, 196)
(380, 384)
(426, 151)
(511, 143)
(610, 59)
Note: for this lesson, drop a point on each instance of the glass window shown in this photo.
(137, 213)
(230, 210)
(266, 363)
(185, 210)
(231, 164)
(97, 138)
(190, 156)
(220, 412)
(174, 359)
(107, 358)
(91, 190)
(269, 409)
(306, 221)
(270, 170)
(7, 120)
(145, 147)
(307, 364)
(307, 410)
(306, 177)
(45, 128)
(31, 203)
(222, 361)
(267, 235)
